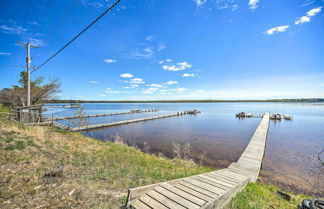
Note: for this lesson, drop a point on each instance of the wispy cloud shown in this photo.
(200, 3)
(200, 91)
(253, 4)
(110, 91)
(132, 86)
(93, 82)
(308, 2)
(13, 29)
(36, 42)
(313, 12)
(4, 53)
(307, 17)
(144, 53)
(136, 81)
(170, 82)
(126, 75)
(110, 60)
(155, 85)
(178, 67)
(277, 29)
(161, 47)
(95, 4)
(149, 38)
(189, 75)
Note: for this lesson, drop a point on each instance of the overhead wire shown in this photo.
(78, 35)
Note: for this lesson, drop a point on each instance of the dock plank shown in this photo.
(176, 198)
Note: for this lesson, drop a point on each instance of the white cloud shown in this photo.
(176, 90)
(126, 75)
(4, 53)
(132, 86)
(180, 90)
(102, 95)
(110, 91)
(277, 29)
(253, 4)
(156, 85)
(149, 91)
(189, 75)
(313, 12)
(170, 82)
(302, 20)
(94, 82)
(201, 91)
(200, 3)
(136, 81)
(110, 60)
(178, 67)
(166, 60)
(308, 16)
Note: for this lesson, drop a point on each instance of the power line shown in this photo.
(68, 43)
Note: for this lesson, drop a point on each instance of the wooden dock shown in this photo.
(88, 127)
(209, 190)
(102, 115)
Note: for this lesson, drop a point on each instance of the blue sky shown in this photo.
(170, 49)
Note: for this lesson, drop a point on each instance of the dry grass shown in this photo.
(94, 174)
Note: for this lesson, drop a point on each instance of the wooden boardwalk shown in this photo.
(88, 127)
(102, 115)
(209, 190)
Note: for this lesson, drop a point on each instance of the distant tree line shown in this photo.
(309, 100)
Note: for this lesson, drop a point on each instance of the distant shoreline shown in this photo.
(309, 100)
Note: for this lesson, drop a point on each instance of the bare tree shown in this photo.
(16, 96)
(81, 120)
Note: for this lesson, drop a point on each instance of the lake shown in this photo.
(217, 138)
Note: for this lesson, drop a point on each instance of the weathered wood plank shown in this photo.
(176, 198)
(206, 186)
(139, 205)
(194, 193)
(213, 183)
(166, 201)
(152, 202)
(220, 181)
(223, 177)
(199, 189)
(183, 194)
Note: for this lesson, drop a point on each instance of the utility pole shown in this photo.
(28, 61)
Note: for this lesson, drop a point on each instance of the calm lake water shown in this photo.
(217, 138)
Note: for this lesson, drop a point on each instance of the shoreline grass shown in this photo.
(46, 167)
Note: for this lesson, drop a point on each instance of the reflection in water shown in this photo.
(290, 158)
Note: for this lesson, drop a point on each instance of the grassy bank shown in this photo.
(43, 167)
(258, 195)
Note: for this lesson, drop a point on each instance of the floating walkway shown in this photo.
(88, 127)
(209, 190)
(102, 115)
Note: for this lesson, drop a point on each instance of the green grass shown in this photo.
(99, 172)
(263, 196)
